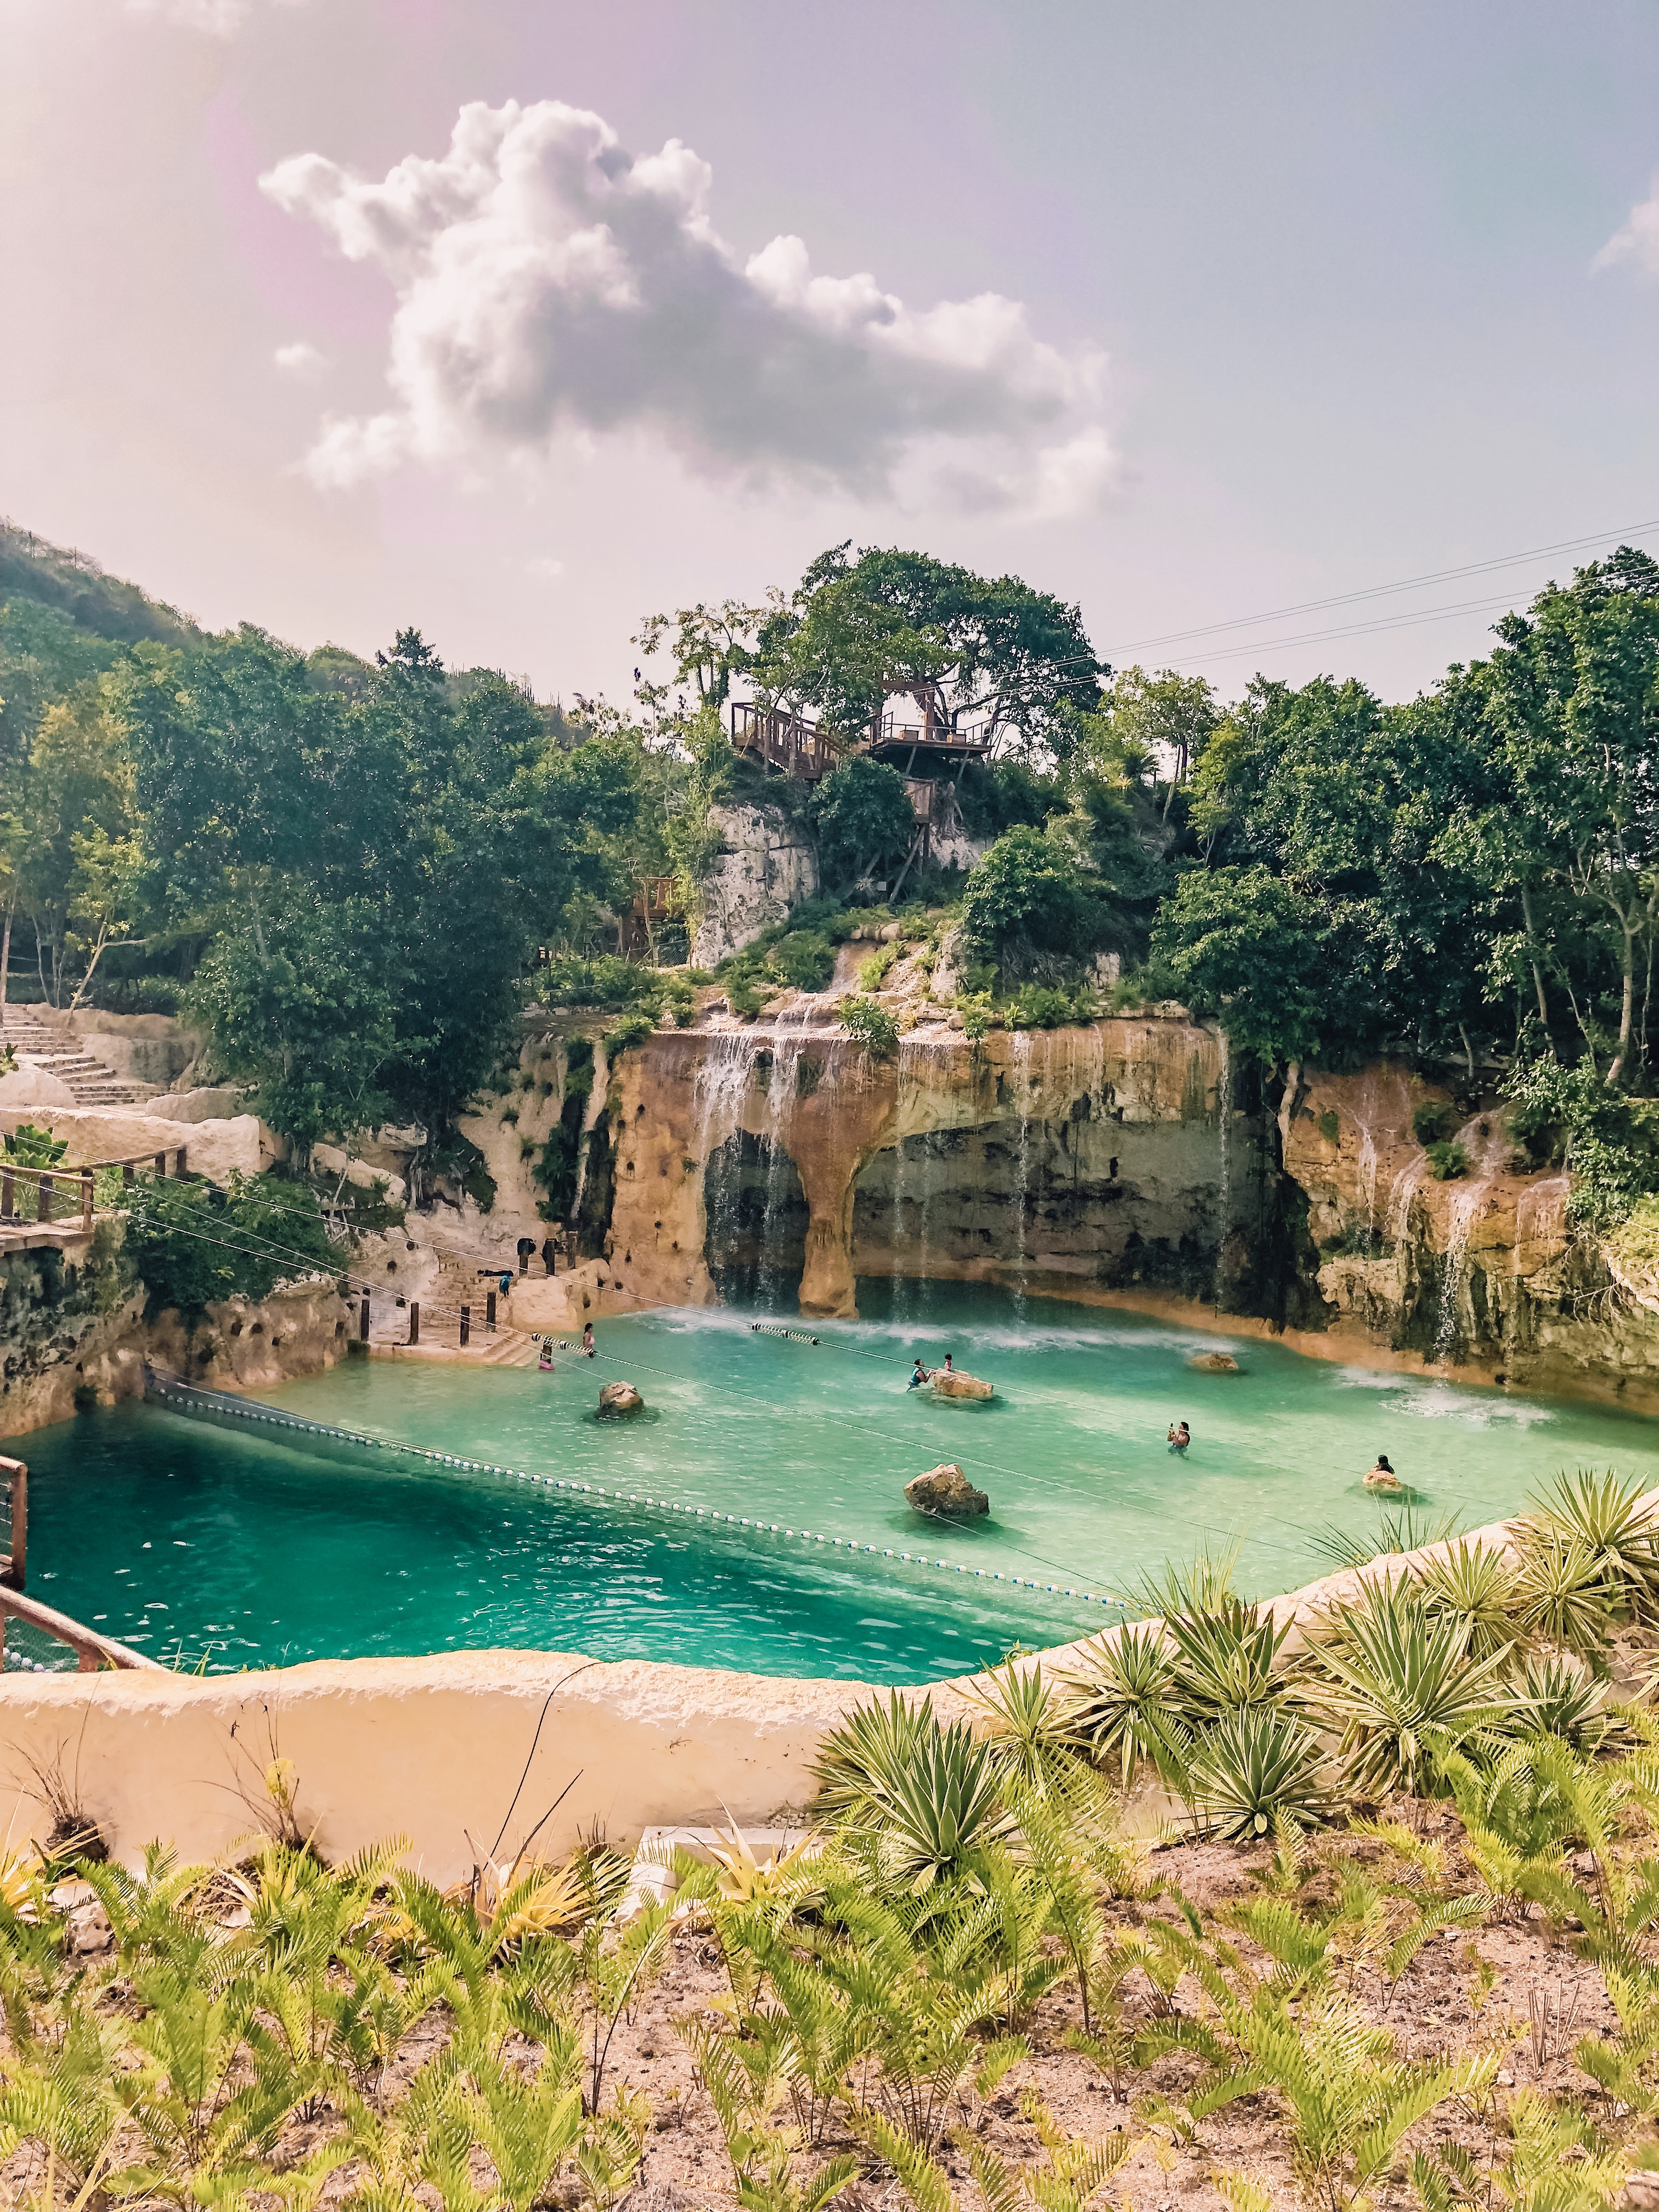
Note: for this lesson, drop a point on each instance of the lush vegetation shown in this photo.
(353, 873)
(898, 1995)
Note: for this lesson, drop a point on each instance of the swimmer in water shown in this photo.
(1383, 1476)
(545, 1363)
(919, 1377)
(1179, 1437)
(588, 1346)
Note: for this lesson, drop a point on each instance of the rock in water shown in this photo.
(1215, 1362)
(947, 1490)
(957, 1385)
(620, 1398)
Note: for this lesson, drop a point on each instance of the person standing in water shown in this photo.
(1179, 1437)
(919, 1376)
(588, 1346)
(1383, 1476)
(545, 1363)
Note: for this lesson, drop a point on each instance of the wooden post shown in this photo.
(179, 1168)
(466, 1325)
(43, 1200)
(128, 1174)
(160, 1163)
(362, 1322)
(414, 1324)
(86, 1198)
(489, 1312)
(18, 1475)
(5, 1191)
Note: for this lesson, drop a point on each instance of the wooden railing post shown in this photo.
(17, 1475)
(5, 1191)
(489, 1312)
(362, 1322)
(43, 1190)
(414, 1322)
(128, 1174)
(466, 1324)
(179, 1169)
(160, 1163)
(86, 1198)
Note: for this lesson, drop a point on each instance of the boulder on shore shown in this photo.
(947, 1490)
(620, 1398)
(1215, 1362)
(951, 1383)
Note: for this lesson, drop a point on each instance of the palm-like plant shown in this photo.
(1563, 1589)
(1258, 1771)
(1475, 1585)
(1225, 1661)
(930, 1795)
(1604, 1511)
(1397, 1685)
(1121, 1704)
(1556, 2162)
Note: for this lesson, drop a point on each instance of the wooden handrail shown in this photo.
(84, 1175)
(92, 1651)
(15, 1476)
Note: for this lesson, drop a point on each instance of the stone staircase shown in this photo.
(64, 1056)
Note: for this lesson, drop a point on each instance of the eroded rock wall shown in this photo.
(1481, 1271)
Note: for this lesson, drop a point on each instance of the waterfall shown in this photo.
(1225, 1104)
(1021, 1058)
(724, 1074)
(780, 1102)
(1465, 1206)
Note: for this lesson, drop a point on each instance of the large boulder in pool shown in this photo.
(945, 1492)
(1215, 1362)
(950, 1383)
(618, 1398)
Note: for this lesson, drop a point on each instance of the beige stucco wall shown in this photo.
(433, 1749)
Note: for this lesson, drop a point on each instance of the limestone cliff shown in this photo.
(1481, 1271)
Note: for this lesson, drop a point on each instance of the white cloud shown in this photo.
(547, 282)
(1638, 241)
(221, 17)
(546, 569)
(300, 360)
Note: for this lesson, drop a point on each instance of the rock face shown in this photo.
(945, 1490)
(1213, 1362)
(766, 869)
(618, 1398)
(955, 1384)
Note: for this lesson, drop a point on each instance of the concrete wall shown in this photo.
(433, 1749)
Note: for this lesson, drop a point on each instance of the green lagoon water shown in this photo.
(210, 1544)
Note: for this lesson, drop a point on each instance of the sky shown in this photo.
(519, 319)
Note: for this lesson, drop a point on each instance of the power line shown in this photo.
(1382, 591)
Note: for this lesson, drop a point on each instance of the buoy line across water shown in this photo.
(184, 1398)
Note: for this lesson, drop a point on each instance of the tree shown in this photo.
(193, 1244)
(1030, 893)
(991, 651)
(1245, 945)
(72, 819)
(1166, 719)
(1573, 694)
(865, 823)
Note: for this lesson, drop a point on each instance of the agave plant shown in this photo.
(1557, 1695)
(1399, 1529)
(1030, 1727)
(1474, 1585)
(1605, 1514)
(1225, 1661)
(1563, 1589)
(1121, 1700)
(1396, 1683)
(1258, 1771)
(929, 1795)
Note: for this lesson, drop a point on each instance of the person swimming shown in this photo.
(1180, 1436)
(1383, 1476)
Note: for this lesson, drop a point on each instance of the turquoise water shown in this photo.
(189, 1539)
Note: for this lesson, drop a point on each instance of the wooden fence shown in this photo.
(59, 1194)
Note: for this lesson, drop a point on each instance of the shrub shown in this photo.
(194, 1244)
(1329, 1125)
(869, 1021)
(874, 971)
(975, 1007)
(1448, 1162)
(633, 1027)
(865, 821)
(33, 1148)
(805, 959)
(1029, 892)
(1432, 1121)
(745, 997)
(602, 980)
(1051, 1006)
